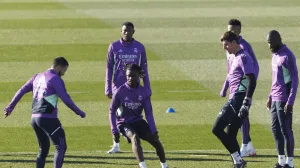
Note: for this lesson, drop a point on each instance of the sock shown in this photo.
(244, 147)
(281, 160)
(164, 165)
(116, 144)
(142, 165)
(289, 161)
(236, 157)
(250, 146)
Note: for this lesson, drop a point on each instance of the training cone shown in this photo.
(170, 110)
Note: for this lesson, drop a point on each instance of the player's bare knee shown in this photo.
(135, 139)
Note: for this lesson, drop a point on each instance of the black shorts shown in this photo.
(140, 127)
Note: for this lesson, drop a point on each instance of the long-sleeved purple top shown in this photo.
(247, 47)
(284, 76)
(119, 54)
(46, 87)
(242, 64)
(127, 106)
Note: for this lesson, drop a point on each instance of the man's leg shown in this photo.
(278, 137)
(222, 121)
(44, 144)
(285, 122)
(135, 141)
(247, 148)
(56, 133)
(116, 144)
(145, 133)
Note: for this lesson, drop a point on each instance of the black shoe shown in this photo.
(287, 166)
(277, 165)
(243, 164)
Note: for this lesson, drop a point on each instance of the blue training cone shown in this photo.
(170, 110)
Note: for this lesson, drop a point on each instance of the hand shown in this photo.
(288, 109)
(268, 103)
(222, 93)
(109, 95)
(116, 137)
(244, 110)
(7, 111)
(82, 114)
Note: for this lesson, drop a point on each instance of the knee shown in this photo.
(62, 147)
(215, 131)
(43, 153)
(135, 139)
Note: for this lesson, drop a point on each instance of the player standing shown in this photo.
(121, 52)
(131, 99)
(46, 88)
(235, 26)
(282, 97)
(237, 108)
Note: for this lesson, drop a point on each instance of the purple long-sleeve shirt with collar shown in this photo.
(248, 48)
(127, 106)
(46, 87)
(284, 76)
(119, 54)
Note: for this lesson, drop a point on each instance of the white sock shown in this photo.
(244, 147)
(289, 161)
(164, 165)
(281, 159)
(142, 165)
(250, 146)
(115, 144)
(236, 157)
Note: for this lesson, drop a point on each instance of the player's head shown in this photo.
(127, 31)
(230, 42)
(235, 26)
(60, 65)
(274, 40)
(133, 73)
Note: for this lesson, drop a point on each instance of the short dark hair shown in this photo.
(128, 24)
(234, 22)
(135, 67)
(229, 36)
(60, 61)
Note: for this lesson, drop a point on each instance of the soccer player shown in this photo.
(282, 97)
(126, 108)
(242, 83)
(124, 51)
(235, 26)
(46, 88)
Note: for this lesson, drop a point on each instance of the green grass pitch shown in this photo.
(186, 64)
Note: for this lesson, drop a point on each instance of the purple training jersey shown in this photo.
(247, 47)
(119, 54)
(127, 106)
(284, 76)
(46, 87)
(242, 64)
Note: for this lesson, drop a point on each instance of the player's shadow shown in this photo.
(51, 161)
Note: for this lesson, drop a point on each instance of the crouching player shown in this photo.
(127, 105)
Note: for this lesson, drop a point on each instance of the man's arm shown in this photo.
(149, 114)
(27, 87)
(114, 105)
(252, 85)
(144, 66)
(60, 90)
(292, 68)
(109, 71)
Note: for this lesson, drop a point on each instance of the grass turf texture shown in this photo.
(186, 64)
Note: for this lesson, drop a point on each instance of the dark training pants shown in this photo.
(45, 129)
(245, 129)
(228, 117)
(282, 128)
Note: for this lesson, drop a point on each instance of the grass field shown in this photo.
(186, 64)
